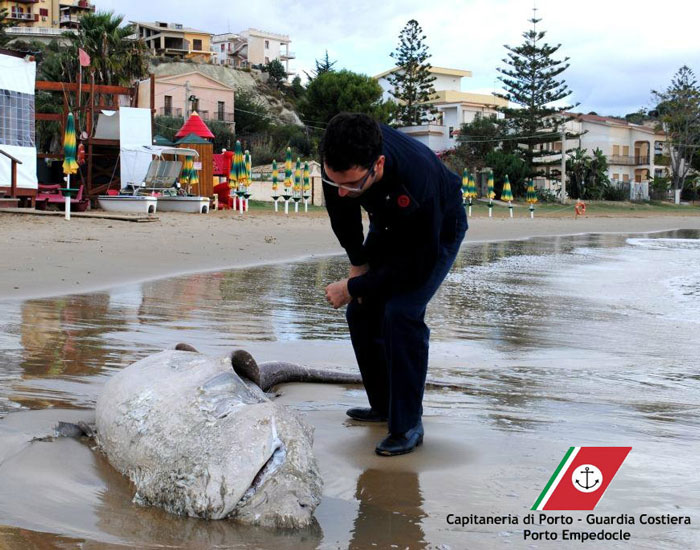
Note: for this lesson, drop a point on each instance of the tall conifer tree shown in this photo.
(412, 81)
(530, 82)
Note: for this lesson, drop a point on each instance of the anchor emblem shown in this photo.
(587, 478)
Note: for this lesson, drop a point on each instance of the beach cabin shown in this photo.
(18, 181)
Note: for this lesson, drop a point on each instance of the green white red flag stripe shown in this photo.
(581, 478)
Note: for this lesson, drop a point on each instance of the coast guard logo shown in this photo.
(587, 478)
(581, 478)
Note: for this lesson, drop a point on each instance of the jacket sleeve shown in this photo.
(346, 221)
(411, 246)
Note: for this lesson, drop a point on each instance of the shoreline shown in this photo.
(47, 256)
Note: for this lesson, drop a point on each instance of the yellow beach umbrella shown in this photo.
(507, 194)
(531, 197)
(490, 192)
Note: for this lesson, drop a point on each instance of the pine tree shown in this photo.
(530, 81)
(412, 81)
(324, 65)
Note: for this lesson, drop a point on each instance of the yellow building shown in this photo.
(174, 40)
(52, 14)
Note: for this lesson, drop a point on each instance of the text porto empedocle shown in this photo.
(592, 527)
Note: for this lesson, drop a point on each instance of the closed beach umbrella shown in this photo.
(194, 176)
(507, 194)
(490, 192)
(275, 176)
(232, 176)
(471, 187)
(465, 185)
(248, 163)
(307, 179)
(70, 166)
(185, 173)
(531, 197)
(288, 171)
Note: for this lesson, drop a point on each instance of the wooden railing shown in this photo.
(13, 177)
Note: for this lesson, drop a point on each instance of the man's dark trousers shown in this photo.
(390, 339)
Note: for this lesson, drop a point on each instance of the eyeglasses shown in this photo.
(350, 186)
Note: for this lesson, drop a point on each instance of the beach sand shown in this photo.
(49, 256)
(363, 493)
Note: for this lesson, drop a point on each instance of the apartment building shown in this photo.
(43, 19)
(174, 40)
(636, 153)
(252, 47)
(454, 107)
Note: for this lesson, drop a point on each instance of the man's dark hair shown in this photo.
(351, 139)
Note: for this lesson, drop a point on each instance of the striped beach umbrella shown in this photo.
(194, 175)
(465, 185)
(232, 178)
(186, 172)
(490, 192)
(248, 163)
(70, 166)
(507, 194)
(531, 197)
(307, 180)
(288, 171)
(275, 177)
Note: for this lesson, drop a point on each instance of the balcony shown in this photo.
(69, 20)
(26, 1)
(80, 4)
(288, 55)
(34, 30)
(174, 112)
(624, 160)
(20, 16)
(641, 160)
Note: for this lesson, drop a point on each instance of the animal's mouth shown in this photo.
(277, 458)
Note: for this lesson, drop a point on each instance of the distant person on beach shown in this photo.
(416, 225)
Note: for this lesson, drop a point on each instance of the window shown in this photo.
(267, 44)
(267, 60)
(626, 178)
(168, 105)
(43, 12)
(452, 132)
(195, 105)
(616, 150)
(16, 119)
(626, 150)
(223, 47)
(197, 45)
(616, 177)
(220, 110)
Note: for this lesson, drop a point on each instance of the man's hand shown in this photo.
(337, 294)
(357, 270)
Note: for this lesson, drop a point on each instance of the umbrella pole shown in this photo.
(276, 210)
(286, 207)
(67, 199)
(296, 207)
(469, 214)
(490, 208)
(510, 208)
(306, 205)
(532, 211)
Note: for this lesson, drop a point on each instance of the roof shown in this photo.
(613, 121)
(161, 140)
(453, 96)
(192, 139)
(154, 26)
(164, 77)
(195, 125)
(435, 70)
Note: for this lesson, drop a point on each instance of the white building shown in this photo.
(251, 47)
(454, 107)
(635, 153)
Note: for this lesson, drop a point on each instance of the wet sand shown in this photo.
(49, 256)
(487, 451)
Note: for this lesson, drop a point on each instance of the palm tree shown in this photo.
(115, 57)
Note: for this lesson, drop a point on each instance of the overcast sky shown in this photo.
(619, 49)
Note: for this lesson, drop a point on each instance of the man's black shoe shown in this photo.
(365, 415)
(400, 444)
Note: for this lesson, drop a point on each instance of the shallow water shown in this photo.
(578, 340)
